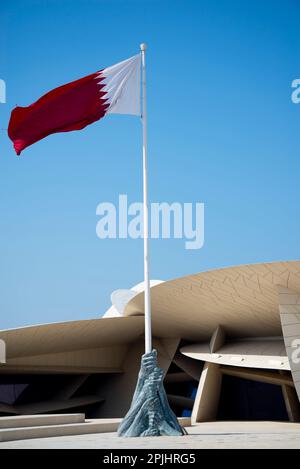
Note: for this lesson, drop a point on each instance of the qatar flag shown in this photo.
(113, 90)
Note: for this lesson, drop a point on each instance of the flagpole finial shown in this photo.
(143, 46)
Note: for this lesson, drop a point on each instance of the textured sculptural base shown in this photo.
(150, 413)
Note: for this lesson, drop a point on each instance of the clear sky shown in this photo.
(222, 130)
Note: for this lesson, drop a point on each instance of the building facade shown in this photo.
(227, 340)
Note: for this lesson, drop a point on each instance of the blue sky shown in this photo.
(222, 130)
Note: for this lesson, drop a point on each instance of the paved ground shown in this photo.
(205, 435)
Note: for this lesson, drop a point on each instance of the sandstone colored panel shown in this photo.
(265, 353)
(242, 299)
(105, 358)
(217, 340)
(208, 394)
(71, 335)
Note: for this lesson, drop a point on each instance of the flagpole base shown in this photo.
(150, 413)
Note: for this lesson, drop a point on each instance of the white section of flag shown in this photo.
(123, 86)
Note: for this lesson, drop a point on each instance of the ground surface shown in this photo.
(205, 435)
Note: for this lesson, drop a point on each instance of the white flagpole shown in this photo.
(148, 333)
(131, 425)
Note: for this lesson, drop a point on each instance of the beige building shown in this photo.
(228, 341)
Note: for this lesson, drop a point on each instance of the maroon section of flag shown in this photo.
(114, 90)
(69, 107)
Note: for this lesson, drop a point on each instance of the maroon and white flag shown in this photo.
(113, 90)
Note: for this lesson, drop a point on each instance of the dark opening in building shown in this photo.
(243, 399)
